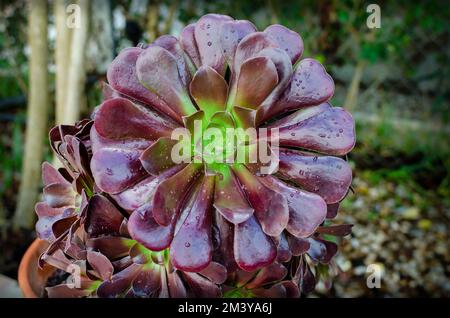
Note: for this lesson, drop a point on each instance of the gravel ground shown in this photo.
(400, 228)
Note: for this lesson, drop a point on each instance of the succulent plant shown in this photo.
(151, 225)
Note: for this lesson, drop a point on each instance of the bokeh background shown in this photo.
(395, 80)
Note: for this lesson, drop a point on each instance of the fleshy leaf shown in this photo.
(298, 246)
(310, 85)
(252, 248)
(271, 208)
(306, 210)
(143, 191)
(136, 196)
(331, 132)
(215, 272)
(257, 78)
(229, 199)
(191, 249)
(336, 230)
(189, 45)
(101, 264)
(157, 158)
(171, 44)
(283, 252)
(231, 34)
(209, 90)
(321, 250)
(202, 287)
(329, 177)
(250, 45)
(119, 118)
(288, 40)
(147, 282)
(58, 195)
(119, 283)
(170, 194)
(157, 70)
(102, 217)
(144, 229)
(113, 247)
(122, 77)
(332, 210)
(115, 170)
(272, 273)
(284, 69)
(207, 36)
(51, 175)
(176, 286)
(47, 217)
(223, 237)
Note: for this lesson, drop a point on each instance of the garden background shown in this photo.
(394, 79)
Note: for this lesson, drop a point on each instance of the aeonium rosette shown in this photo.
(224, 156)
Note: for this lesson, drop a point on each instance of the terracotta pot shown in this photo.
(32, 279)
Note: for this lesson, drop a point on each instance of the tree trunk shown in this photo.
(62, 58)
(152, 21)
(77, 74)
(100, 50)
(37, 115)
(353, 92)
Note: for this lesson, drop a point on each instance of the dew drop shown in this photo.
(209, 43)
(187, 244)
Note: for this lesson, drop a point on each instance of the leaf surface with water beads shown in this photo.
(329, 177)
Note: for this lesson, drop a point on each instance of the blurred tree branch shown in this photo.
(76, 72)
(37, 116)
(62, 58)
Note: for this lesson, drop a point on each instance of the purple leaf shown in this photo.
(271, 208)
(329, 177)
(157, 70)
(209, 90)
(310, 85)
(272, 273)
(306, 210)
(207, 36)
(157, 158)
(119, 282)
(101, 265)
(58, 195)
(119, 118)
(102, 217)
(115, 170)
(170, 194)
(215, 272)
(191, 249)
(257, 78)
(332, 210)
(231, 34)
(321, 250)
(171, 44)
(144, 229)
(252, 248)
(122, 77)
(330, 132)
(229, 198)
(189, 45)
(336, 230)
(201, 287)
(288, 40)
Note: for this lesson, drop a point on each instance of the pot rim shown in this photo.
(29, 266)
